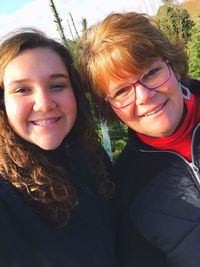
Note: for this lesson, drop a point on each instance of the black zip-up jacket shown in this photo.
(159, 204)
(26, 240)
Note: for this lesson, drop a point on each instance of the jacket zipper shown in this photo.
(192, 166)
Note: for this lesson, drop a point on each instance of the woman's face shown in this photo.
(153, 112)
(39, 100)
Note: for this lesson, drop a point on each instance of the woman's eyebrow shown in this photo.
(56, 75)
(59, 75)
(18, 81)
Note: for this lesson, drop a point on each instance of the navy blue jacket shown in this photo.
(159, 204)
(26, 240)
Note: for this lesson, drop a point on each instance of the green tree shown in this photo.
(118, 136)
(74, 26)
(175, 21)
(194, 53)
(117, 131)
(58, 22)
(71, 44)
(84, 25)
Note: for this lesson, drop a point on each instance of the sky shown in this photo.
(37, 13)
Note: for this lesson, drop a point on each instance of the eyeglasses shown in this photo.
(152, 79)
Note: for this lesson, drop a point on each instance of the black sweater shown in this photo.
(26, 240)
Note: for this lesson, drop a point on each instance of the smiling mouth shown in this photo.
(156, 110)
(45, 122)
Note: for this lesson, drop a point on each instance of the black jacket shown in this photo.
(159, 205)
(87, 240)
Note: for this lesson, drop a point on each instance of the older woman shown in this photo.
(135, 71)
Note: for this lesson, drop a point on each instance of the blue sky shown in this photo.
(37, 13)
(7, 7)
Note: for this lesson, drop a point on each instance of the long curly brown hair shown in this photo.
(42, 183)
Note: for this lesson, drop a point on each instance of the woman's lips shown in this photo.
(154, 111)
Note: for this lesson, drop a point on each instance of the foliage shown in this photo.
(84, 25)
(193, 7)
(194, 49)
(72, 45)
(175, 21)
(118, 136)
(74, 26)
(117, 131)
(58, 22)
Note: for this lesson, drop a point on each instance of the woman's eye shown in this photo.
(151, 73)
(22, 90)
(57, 87)
(122, 92)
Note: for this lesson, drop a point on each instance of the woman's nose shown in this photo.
(44, 102)
(142, 94)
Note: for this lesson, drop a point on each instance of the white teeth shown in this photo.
(45, 122)
(155, 111)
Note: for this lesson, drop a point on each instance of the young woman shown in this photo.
(53, 188)
(140, 75)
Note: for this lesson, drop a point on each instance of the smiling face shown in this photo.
(155, 113)
(39, 100)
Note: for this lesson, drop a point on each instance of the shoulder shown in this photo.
(124, 163)
(127, 153)
(193, 85)
(131, 159)
(5, 188)
(7, 199)
(10, 199)
(127, 173)
(79, 154)
(170, 205)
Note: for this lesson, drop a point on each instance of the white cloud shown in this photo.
(35, 14)
(96, 10)
(38, 13)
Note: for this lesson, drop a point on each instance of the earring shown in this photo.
(185, 91)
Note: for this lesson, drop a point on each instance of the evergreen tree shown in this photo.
(117, 131)
(72, 45)
(194, 53)
(84, 25)
(58, 22)
(175, 21)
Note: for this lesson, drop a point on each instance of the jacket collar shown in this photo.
(136, 143)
